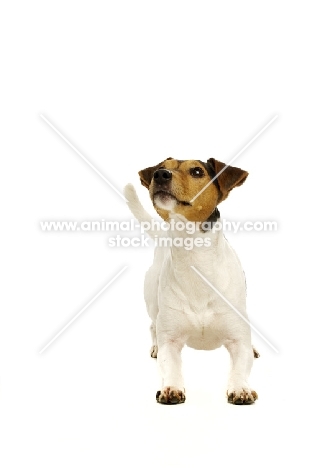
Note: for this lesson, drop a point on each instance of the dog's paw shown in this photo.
(170, 396)
(243, 396)
(130, 192)
(154, 351)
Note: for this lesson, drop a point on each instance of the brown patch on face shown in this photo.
(228, 179)
(188, 179)
(170, 164)
(184, 186)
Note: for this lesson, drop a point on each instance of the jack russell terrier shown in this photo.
(182, 308)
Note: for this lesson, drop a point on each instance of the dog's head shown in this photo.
(174, 186)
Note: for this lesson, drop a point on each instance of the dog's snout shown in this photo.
(161, 176)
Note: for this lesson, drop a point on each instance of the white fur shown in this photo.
(186, 311)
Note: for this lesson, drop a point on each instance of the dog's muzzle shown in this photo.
(162, 187)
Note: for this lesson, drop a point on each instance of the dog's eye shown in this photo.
(196, 172)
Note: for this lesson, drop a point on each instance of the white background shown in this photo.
(129, 84)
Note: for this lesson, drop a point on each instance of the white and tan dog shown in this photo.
(183, 309)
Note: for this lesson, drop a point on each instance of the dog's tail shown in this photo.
(140, 213)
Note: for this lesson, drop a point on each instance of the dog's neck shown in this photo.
(211, 220)
(207, 230)
(202, 249)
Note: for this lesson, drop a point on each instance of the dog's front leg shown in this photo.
(169, 362)
(242, 357)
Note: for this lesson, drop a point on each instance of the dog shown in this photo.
(184, 309)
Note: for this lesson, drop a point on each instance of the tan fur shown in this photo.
(185, 187)
(230, 177)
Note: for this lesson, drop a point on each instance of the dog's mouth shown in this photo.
(165, 196)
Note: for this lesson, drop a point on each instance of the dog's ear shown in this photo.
(229, 178)
(147, 174)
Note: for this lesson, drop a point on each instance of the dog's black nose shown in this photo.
(161, 176)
